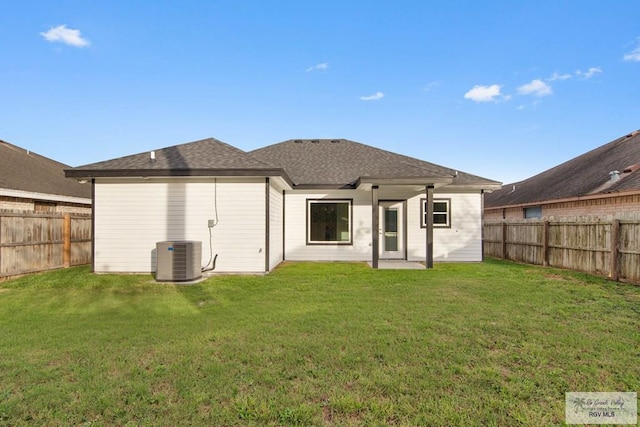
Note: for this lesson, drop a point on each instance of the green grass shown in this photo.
(314, 344)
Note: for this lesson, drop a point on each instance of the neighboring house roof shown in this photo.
(320, 162)
(24, 173)
(587, 174)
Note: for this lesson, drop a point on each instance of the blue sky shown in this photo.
(501, 89)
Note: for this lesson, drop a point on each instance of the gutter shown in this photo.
(567, 199)
(44, 196)
(148, 173)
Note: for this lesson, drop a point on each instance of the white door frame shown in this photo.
(393, 243)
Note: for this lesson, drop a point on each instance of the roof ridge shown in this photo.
(205, 140)
(29, 152)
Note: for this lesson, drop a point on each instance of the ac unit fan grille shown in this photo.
(178, 261)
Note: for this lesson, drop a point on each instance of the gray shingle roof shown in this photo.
(27, 171)
(583, 175)
(198, 155)
(335, 163)
(340, 162)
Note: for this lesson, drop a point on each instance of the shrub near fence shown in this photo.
(609, 248)
(31, 242)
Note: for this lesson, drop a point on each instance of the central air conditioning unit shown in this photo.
(178, 261)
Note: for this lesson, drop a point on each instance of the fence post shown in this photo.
(0, 242)
(66, 238)
(615, 244)
(504, 239)
(545, 243)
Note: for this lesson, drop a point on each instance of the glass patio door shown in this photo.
(391, 221)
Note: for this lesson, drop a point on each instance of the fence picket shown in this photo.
(609, 248)
(31, 242)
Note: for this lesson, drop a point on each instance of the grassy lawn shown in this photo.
(314, 344)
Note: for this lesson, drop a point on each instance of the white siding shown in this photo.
(461, 242)
(131, 215)
(275, 226)
(296, 248)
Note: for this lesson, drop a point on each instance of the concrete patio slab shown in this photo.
(399, 265)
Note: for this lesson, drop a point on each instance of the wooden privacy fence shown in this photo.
(605, 248)
(31, 242)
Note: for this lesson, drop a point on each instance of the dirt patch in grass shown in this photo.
(557, 277)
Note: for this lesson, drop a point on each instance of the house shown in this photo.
(602, 182)
(318, 199)
(33, 183)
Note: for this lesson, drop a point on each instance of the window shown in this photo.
(329, 222)
(441, 213)
(533, 212)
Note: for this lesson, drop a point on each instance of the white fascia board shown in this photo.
(43, 196)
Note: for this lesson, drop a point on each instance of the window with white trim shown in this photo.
(533, 212)
(329, 222)
(441, 213)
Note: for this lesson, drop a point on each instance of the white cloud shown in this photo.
(589, 73)
(323, 66)
(536, 88)
(65, 35)
(431, 85)
(376, 96)
(531, 106)
(634, 55)
(557, 76)
(484, 93)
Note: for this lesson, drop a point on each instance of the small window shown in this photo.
(441, 213)
(329, 222)
(533, 212)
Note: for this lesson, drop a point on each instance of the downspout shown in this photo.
(93, 225)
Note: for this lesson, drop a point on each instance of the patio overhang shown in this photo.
(428, 188)
(418, 183)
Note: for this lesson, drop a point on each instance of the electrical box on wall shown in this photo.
(178, 260)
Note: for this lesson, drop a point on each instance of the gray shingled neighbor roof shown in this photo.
(334, 163)
(27, 171)
(584, 175)
(340, 162)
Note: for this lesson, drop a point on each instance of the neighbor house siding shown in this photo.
(461, 242)
(296, 227)
(131, 215)
(275, 226)
(16, 204)
(27, 204)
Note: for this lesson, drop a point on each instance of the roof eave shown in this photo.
(366, 182)
(349, 186)
(566, 199)
(148, 173)
(7, 192)
(488, 187)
